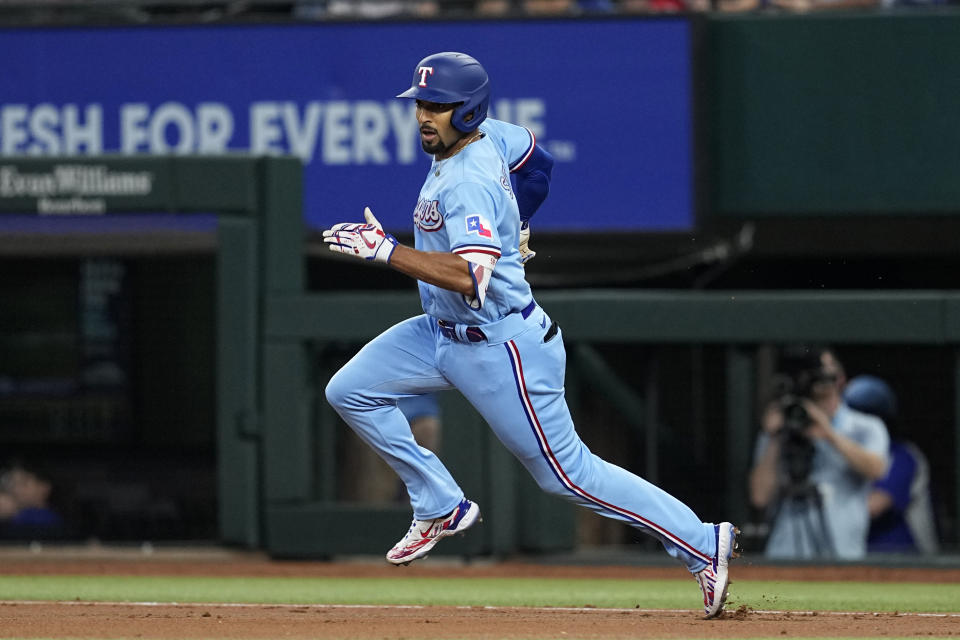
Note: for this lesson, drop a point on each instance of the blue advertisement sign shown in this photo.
(611, 100)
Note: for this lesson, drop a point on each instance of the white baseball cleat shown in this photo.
(715, 578)
(423, 535)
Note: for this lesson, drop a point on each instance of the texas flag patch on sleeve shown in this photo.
(479, 225)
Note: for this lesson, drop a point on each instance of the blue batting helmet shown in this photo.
(872, 395)
(449, 77)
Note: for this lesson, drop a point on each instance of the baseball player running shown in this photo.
(483, 333)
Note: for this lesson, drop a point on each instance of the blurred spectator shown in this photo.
(634, 6)
(596, 6)
(491, 8)
(737, 6)
(8, 507)
(566, 7)
(32, 514)
(548, 7)
(664, 6)
(803, 6)
(901, 508)
(889, 4)
(423, 414)
(815, 461)
(366, 9)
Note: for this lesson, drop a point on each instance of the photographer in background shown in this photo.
(815, 461)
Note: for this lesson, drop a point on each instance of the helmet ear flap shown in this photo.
(467, 117)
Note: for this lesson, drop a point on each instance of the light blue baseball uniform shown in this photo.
(514, 143)
(499, 351)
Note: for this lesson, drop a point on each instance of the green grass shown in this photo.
(647, 594)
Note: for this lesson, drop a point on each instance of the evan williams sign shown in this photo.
(73, 188)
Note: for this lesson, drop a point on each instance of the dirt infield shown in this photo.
(65, 620)
(163, 621)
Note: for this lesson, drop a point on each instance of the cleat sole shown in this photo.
(736, 551)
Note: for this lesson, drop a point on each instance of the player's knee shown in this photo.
(548, 482)
(344, 393)
(554, 488)
(338, 392)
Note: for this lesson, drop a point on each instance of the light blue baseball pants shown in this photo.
(515, 381)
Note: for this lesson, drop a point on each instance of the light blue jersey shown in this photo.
(461, 210)
(515, 143)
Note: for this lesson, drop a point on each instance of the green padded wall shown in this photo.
(833, 115)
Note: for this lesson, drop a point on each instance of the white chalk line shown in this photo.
(321, 606)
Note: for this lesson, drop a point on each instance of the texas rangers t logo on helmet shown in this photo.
(424, 72)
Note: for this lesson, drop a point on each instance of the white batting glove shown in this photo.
(526, 253)
(366, 241)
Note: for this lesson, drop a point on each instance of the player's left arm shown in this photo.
(530, 165)
(531, 184)
(531, 180)
(530, 174)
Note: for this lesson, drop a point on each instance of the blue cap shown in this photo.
(872, 395)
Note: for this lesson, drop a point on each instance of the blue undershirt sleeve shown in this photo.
(531, 182)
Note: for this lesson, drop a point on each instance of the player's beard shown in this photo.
(437, 147)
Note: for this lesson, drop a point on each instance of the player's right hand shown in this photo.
(526, 253)
(366, 241)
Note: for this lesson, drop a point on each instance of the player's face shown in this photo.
(437, 133)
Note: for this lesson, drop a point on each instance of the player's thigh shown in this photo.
(398, 362)
(518, 388)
